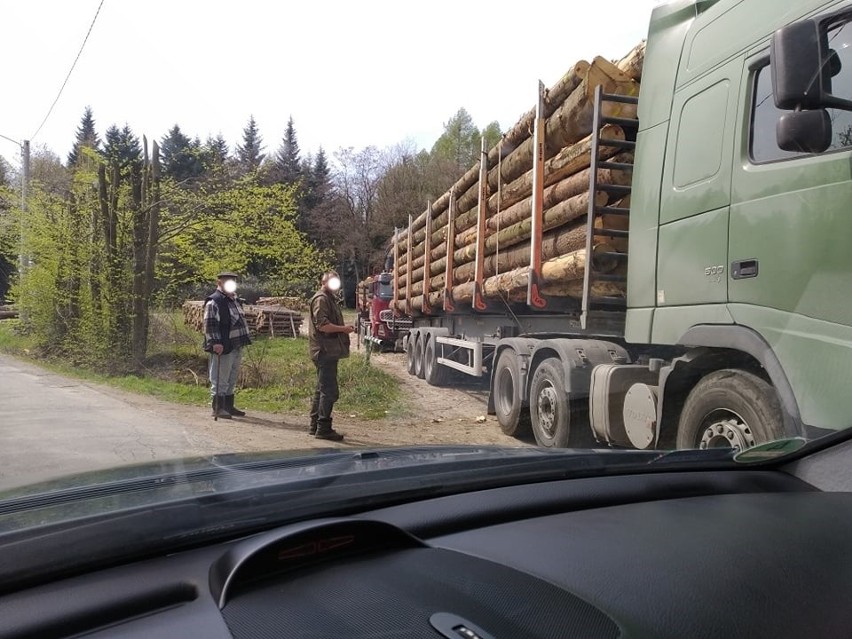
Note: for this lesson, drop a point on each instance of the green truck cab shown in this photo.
(737, 243)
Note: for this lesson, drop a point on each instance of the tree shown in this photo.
(246, 226)
(460, 141)
(217, 148)
(492, 134)
(288, 166)
(317, 180)
(180, 156)
(122, 148)
(87, 137)
(249, 156)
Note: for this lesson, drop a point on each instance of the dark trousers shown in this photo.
(326, 393)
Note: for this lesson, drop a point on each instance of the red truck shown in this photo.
(377, 326)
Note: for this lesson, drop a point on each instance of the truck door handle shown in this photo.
(743, 269)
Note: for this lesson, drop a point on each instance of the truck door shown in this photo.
(790, 246)
(693, 232)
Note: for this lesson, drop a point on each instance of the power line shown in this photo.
(82, 46)
(6, 137)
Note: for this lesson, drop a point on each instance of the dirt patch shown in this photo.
(430, 415)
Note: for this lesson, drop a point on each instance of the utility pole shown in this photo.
(25, 183)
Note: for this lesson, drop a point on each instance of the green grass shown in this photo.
(276, 374)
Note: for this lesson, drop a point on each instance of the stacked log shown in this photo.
(290, 301)
(8, 312)
(262, 319)
(507, 188)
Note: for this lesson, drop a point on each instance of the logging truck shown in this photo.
(655, 255)
(377, 326)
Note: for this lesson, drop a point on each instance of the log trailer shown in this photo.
(648, 258)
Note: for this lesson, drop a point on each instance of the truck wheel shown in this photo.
(550, 408)
(434, 373)
(730, 409)
(514, 419)
(410, 354)
(419, 352)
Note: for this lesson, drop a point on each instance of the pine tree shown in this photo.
(460, 142)
(180, 157)
(288, 166)
(87, 136)
(249, 156)
(122, 146)
(317, 181)
(218, 148)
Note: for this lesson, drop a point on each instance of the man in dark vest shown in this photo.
(329, 342)
(225, 334)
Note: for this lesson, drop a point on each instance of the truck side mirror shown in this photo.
(804, 131)
(799, 76)
(803, 64)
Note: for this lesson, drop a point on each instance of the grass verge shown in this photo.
(276, 374)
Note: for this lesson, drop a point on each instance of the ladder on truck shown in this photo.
(594, 305)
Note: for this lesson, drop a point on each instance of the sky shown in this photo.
(350, 73)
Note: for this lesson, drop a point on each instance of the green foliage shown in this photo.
(288, 166)
(122, 148)
(243, 226)
(87, 137)
(277, 374)
(181, 156)
(249, 156)
(460, 142)
(492, 134)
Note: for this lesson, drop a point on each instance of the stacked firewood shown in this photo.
(8, 312)
(262, 319)
(568, 111)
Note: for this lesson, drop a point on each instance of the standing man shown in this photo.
(329, 342)
(225, 334)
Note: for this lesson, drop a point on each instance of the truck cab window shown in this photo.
(764, 147)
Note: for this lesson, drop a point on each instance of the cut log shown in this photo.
(559, 242)
(572, 121)
(564, 272)
(567, 162)
(556, 216)
(632, 63)
(554, 98)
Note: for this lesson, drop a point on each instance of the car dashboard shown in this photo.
(750, 553)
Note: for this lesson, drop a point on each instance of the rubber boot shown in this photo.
(229, 406)
(312, 429)
(219, 409)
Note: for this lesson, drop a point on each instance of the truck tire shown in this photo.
(730, 409)
(550, 408)
(513, 417)
(410, 354)
(419, 352)
(434, 373)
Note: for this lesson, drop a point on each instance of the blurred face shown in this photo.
(331, 281)
(229, 286)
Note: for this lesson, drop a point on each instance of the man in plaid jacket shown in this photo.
(225, 334)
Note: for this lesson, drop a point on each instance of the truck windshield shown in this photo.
(385, 291)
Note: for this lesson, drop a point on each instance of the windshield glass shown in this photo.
(200, 200)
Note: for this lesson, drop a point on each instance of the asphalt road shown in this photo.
(52, 426)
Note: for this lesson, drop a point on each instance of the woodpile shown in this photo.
(262, 319)
(291, 302)
(506, 192)
(8, 312)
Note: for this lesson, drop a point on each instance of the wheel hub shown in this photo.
(727, 433)
(547, 402)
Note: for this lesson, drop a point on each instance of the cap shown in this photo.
(227, 275)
